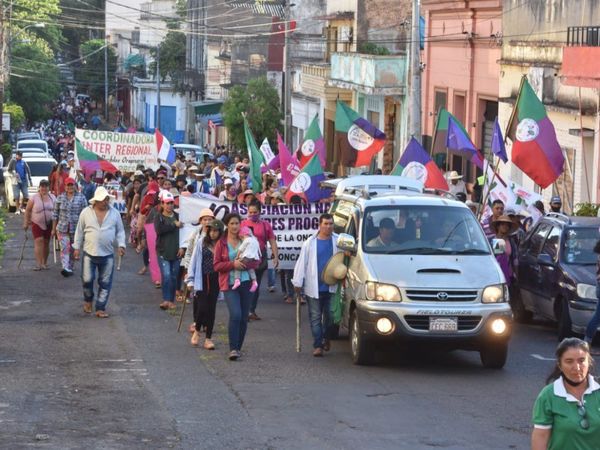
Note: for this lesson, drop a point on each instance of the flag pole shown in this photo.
(514, 111)
(398, 161)
(487, 194)
(437, 122)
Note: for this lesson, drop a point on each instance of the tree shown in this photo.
(260, 101)
(17, 115)
(172, 59)
(29, 12)
(90, 20)
(34, 80)
(90, 75)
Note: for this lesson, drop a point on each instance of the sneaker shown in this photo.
(236, 284)
(326, 345)
(64, 273)
(271, 288)
(221, 296)
(253, 286)
(318, 352)
(18, 212)
(253, 316)
(233, 355)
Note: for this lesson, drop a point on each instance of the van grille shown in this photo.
(441, 296)
(421, 323)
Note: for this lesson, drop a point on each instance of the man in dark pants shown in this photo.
(263, 232)
(308, 274)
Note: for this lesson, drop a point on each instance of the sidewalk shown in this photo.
(70, 380)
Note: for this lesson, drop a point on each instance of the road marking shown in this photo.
(123, 370)
(542, 358)
(7, 361)
(119, 360)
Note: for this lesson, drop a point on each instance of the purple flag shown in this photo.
(457, 139)
(498, 147)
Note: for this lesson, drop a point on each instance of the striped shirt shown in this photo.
(66, 212)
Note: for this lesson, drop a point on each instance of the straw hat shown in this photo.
(335, 270)
(100, 194)
(504, 219)
(242, 197)
(453, 175)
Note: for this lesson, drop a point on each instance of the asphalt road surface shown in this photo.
(69, 381)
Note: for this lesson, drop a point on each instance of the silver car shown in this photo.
(421, 271)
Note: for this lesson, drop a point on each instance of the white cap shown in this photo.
(228, 182)
(166, 196)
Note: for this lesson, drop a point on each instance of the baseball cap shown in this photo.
(228, 182)
(556, 199)
(69, 180)
(166, 197)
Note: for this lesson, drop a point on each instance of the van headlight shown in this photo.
(497, 293)
(380, 292)
(586, 291)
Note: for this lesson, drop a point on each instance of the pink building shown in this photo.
(463, 41)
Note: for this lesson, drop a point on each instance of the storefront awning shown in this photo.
(207, 108)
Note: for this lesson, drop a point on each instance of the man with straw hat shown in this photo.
(99, 226)
(309, 275)
(455, 183)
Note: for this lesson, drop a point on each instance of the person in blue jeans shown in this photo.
(99, 226)
(592, 326)
(308, 274)
(169, 254)
(239, 300)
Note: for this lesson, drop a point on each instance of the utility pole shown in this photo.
(414, 101)
(287, 94)
(106, 79)
(157, 87)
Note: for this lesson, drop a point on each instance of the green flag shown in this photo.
(256, 158)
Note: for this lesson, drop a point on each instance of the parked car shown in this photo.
(192, 152)
(40, 167)
(557, 272)
(436, 283)
(33, 143)
(31, 152)
(28, 135)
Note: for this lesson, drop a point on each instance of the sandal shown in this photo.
(192, 328)
(164, 305)
(87, 307)
(157, 285)
(195, 340)
(288, 300)
(36, 269)
(101, 315)
(142, 271)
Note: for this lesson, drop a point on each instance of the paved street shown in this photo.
(72, 381)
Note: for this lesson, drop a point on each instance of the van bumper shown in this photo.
(414, 328)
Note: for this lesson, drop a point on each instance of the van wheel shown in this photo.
(362, 352)
(521, 314)
(564, 319)
(494, 356)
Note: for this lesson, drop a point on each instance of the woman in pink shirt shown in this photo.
(38, 215)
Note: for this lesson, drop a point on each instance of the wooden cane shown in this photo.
(119, 259)
(298, 312)
(22, 250)
(54, 248)
(185, 296)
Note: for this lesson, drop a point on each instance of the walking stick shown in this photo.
(119, 259)
(54, 248)
(185, 295)
(22, 250)
(298, 311)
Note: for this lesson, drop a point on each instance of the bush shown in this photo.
(3, 234)
(586, 210)
(372, 49)
(6, 151)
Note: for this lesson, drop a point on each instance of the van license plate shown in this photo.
(443, 323)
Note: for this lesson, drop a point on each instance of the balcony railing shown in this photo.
(370, 74)
(583, 36)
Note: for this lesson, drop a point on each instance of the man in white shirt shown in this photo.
(99, 226)
(455, 183)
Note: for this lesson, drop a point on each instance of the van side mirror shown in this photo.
(544, 259)
(346, 243)
(498, 246)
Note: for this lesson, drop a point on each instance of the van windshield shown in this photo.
(422, 230)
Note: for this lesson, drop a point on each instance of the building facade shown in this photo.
(563, 70)
(463, 42)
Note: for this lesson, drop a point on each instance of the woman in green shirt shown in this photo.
(167, 227)
(566, 414)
